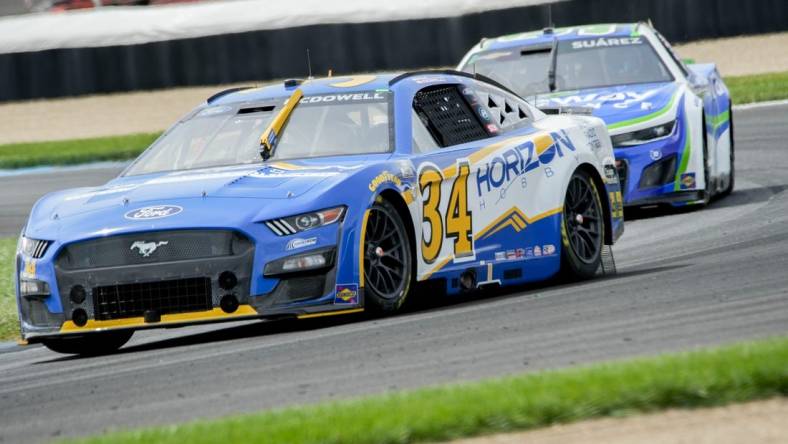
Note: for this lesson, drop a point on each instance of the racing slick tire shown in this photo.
(708, 191)
(92, 344)
(582, 228)
(732, 175)
(388, 260)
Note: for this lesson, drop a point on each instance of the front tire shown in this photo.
(388, 261)
(582, 228)
(92, 344)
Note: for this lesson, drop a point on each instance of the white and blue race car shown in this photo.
(670, 122)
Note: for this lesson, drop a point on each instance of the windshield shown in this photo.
(327, 125)
(580, 64)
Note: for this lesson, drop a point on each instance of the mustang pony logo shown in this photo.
(147, 248)
(156, 212)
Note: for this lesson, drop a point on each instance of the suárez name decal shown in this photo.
(602, 41)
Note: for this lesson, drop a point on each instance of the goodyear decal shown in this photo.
(346, 294)
(384, 177)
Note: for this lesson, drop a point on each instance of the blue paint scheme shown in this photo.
(242, 197)
(606, 102)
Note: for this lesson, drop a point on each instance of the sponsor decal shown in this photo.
(605, 42)
(511, 254)
(295, 244)
(537, 251)
(500, 255)
(491, 128)
(548, 249)
(30, 268)
(611, 175)
(529, 252)
(346, 294)
(145, 249)
(154, 212)
(511, 165)
(655, 154)
(593, 139)
(687, 181)
(520, 253)
(621, 100)
(382, 178)
(343, 98)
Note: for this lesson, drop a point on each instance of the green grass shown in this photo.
(69, 152)
(9, 327)
(758, 88)
(697, 379)
(744, 89)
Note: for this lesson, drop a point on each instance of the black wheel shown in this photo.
(732, 175)
(582, 228)
(388, 264)
(92, 344)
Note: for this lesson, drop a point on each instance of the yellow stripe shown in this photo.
(286, 166)
(407, 196)
(361, 250)
(440, 265)
(542, 141)
(330, 313)
(354, 81)
(279, 121)
(518, 220)
(198, 316)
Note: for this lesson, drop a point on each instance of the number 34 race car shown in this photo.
(321, 197)
(670, 123)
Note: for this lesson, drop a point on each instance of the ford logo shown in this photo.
(156, 212)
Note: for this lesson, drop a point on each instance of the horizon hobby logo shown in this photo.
(154, 212)
(147, 248)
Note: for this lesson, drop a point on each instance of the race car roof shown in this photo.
(545, 36)
(327, 85)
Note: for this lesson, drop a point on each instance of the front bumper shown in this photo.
(651, 173)
(183, 290)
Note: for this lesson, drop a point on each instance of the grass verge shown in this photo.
(711, 377)
(70, 152)
(9, 327)
(744, 89)
(758, 88)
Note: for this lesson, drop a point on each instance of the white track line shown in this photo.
(757, 105)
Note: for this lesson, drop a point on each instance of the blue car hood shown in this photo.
(616, 104)
(208, 197)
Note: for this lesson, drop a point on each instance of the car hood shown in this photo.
(238, 191)
(617, 104)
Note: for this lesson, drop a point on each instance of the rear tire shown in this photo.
(92, 344)
(388, 260)
(732, 175)
(582, 228)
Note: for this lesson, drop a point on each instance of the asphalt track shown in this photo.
(687, 279)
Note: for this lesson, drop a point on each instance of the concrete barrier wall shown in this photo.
(349, 47)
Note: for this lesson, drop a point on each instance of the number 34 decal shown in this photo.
(457, 222)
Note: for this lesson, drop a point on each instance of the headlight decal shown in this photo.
(645, 135)
(285, 226)
(34, 248)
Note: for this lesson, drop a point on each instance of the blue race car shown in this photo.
(320, 197)
(671, 123)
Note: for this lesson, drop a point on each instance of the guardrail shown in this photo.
(351, 47)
